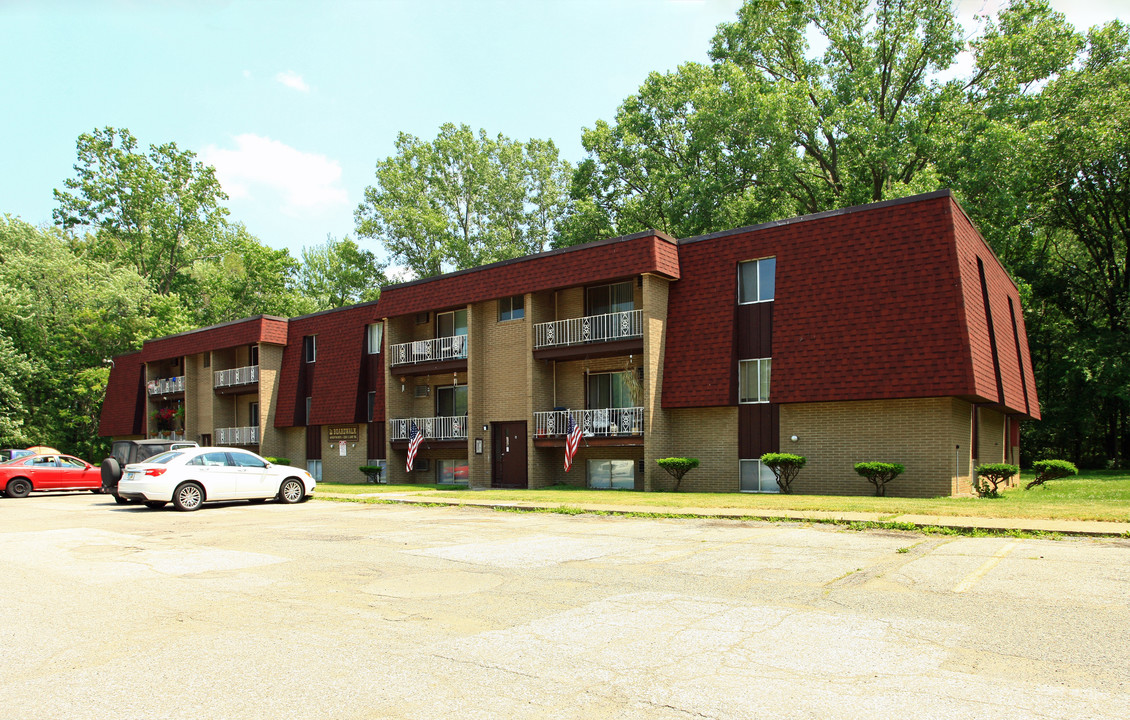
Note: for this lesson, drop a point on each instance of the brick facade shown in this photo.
(894, 334)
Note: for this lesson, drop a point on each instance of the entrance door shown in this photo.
(508, 457)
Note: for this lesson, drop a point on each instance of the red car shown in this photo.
(48, 472)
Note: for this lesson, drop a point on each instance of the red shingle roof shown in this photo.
(645, 252)
(123, 410)
(263, 328)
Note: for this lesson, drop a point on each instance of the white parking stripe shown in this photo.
(989, 564)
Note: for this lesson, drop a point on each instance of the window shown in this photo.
(253, 355)
(511, 308)
(308, 348)
(449, 324)
(605, 299)
(757, 280)
(452, 472)
(314, 467)
(755, 477)
(243, 459)
(753, 380)
(610, 390)
(207, 359)
(375, 333)
(612, 474)
(253, 414)
(451, 401)
(309, 403)
(371, 405)
(70, 462)
(383, 464)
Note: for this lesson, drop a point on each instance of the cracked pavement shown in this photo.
(344, 610)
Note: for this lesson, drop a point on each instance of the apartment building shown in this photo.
(887, 331)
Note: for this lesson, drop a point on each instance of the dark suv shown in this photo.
(125, 452)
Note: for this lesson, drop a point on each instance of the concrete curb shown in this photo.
(1086, 528)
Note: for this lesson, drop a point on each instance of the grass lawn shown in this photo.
(1093, 495)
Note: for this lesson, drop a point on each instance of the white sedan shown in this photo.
(191, 476)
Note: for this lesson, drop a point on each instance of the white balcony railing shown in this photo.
(237, 376)
(588, 329)
(453, 347)
(607, 422)
(169, 435)
(166, 386)
(434, 428)
(237, 436)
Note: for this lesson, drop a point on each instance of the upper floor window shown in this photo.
(309, 407)
(604, 299)
(511, 308)
(753, 380)
(375, 333)
(371, 405)
(253, 354)
(612, 390)
(451, 401)
(253, 414)
(309, 349)
(756, 280)
(449, 324)
(207, 359)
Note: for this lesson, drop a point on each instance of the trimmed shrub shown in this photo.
(879, 474)
(1051, 470)
(277, 461)
(785, 467)
(677, 467)
(372, 473)
(990, 476)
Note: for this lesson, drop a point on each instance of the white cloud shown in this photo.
(305, 181)
(293, 80)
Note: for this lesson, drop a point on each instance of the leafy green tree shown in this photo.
(244, 278)
(463, 199)
(338, 273)
(159, 211)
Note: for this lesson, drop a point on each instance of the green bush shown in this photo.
(785, 467)
(879, 474)
(1051, 470)
(677, 467)
(990, 476)
(277, 460)
(372, 473)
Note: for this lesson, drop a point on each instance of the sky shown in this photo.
(295, 102)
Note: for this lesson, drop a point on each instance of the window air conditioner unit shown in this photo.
(422, 390)
(421, 465)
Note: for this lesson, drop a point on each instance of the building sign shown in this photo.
(343, 433)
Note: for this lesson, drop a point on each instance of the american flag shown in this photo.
(415, 437)
(572, 441)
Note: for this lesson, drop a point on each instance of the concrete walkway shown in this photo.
(1064, 527)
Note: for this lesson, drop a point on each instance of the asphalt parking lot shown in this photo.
(342, 610)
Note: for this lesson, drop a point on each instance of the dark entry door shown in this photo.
(508, 455)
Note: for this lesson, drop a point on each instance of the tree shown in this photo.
(158, 212)
(243, 278)
(463, 200)
(771, 130)
(339, 273)
(879, 474)
(785, 467)
(677, 467)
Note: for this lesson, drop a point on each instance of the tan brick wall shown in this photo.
(292, 441)
(539, 309)
(501, 372)
(992, 436)
(710, 434)
(921, 434)
(342, 469)
(653, 302)
(270, 366)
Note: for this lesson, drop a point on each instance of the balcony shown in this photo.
(236, 381)
(237, 436)
(591, 336)
(448, 430)
(170, 435)
(605, 426)
(428, 357)
(166, 386)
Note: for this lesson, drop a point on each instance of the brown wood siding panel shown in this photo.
(313, 442)
(759, 429)
(755, 331)
(376, 449)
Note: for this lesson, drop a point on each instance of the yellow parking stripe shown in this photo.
(979, 573)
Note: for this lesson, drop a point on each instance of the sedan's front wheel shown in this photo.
(188, 497)
(18, 488)
(291, 491)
